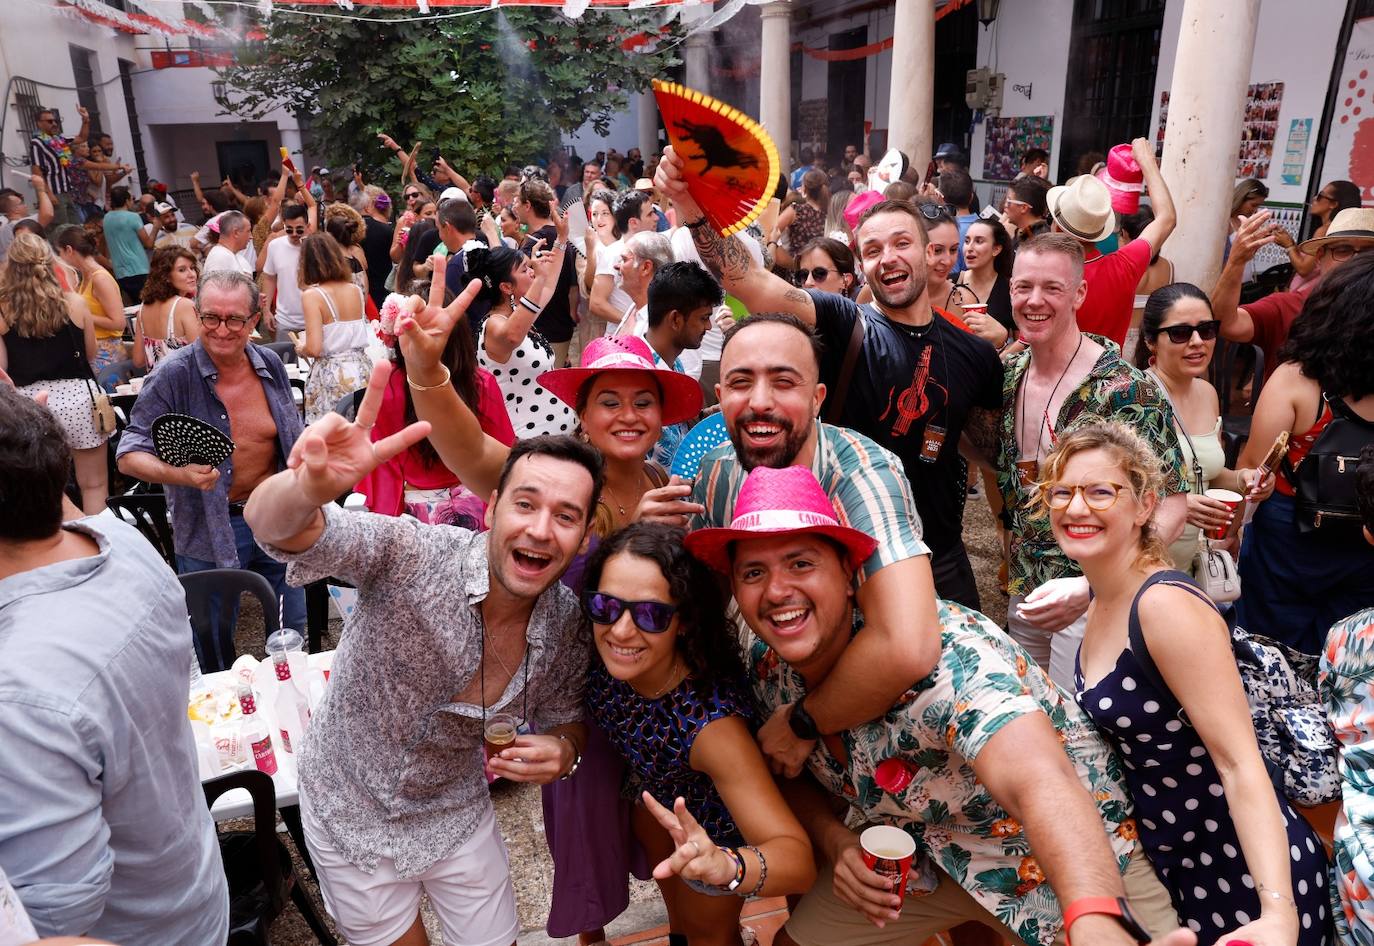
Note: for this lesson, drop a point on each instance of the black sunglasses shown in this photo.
(817, 273)
(653, 617)
(936, 211)
(1182, 334)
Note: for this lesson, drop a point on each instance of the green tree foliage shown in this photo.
(486, 90)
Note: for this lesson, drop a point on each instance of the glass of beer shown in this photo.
(498, 731)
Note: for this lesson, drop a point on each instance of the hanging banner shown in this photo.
(1295, 157)
(1350, 143)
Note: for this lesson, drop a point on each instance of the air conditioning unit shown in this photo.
(983, 90)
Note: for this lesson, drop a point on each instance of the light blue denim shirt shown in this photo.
(104, 830)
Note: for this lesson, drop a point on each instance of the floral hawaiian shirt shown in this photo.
(983, 681)
(1113, 390)
(1347, 668)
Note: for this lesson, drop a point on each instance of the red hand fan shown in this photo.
(732, 165)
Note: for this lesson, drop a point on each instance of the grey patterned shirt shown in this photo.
(392, 767)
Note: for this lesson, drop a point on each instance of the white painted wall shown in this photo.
(1029, 44)
(1294, 44)
(34, 45)
(622, 135)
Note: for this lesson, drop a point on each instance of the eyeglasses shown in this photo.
(817, 274)
(1012, 200)
(1340, 252)
(652, 617)
(1098, 496)
(1326, 197)
(935, 211)
(235, 322)
(294, 231)
(1182, 334)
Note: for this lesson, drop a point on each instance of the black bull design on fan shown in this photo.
(715, 150)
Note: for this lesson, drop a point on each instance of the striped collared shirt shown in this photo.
(44, 154)
(865, 482)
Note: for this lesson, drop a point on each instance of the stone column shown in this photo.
(697, 50)
(775, 78)
(648, 123)
(1206, 107)
(911, 100)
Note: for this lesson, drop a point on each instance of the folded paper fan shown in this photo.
(732, 164)
(700, 440)
(179, 439)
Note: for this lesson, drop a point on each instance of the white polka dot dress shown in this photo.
(1181, 811)
(533, 410)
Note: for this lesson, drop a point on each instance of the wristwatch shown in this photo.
(1116, 907)
(803, 726)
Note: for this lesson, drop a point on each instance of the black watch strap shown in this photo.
(803, 726)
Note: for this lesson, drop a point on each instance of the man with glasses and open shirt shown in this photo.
(241, 389)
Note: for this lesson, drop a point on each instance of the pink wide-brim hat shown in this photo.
(682, 397)
(861, 202)
(1124, 179)
(775, 502)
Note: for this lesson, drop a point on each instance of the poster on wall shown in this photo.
(1009, 138)
(1295, 157)
(1259, 128)
(1350, 143)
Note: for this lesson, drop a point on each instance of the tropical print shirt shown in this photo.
(1113, 390)
(982, 682)
(1347, 669)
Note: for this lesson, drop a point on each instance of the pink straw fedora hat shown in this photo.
(682, 396)
(1124, 179)
(779, 502)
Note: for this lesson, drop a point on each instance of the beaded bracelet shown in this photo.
(763, 870)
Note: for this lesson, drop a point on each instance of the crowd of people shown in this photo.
(723, 672)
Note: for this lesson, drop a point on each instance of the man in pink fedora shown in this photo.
(977, 761)
(1083, 208)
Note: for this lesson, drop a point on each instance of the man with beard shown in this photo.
(451, 627)
(770, 394)
(913, 384)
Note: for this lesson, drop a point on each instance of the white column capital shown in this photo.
(776, 8)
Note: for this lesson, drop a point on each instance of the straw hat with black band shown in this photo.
(1082, 208)
(1353, 223)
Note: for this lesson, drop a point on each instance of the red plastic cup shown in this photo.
(1234, 501)
(981, 308)
(888, 851)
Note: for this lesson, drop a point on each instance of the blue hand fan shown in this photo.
(700, 440)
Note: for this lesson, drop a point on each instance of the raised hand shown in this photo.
(695, 856)
(333, 454)
(424, 333)
(195, 177)
(668, 178)
(1254, 232)
(388, 141)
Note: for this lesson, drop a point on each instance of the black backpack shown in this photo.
(1325, 480)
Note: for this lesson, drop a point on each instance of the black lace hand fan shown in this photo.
(180, 440)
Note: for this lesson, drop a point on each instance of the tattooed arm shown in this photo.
(727, 257)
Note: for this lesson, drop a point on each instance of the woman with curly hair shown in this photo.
(1157, 675)
(1298, 579)
(670, 690)
(167, 320)
(47, 338)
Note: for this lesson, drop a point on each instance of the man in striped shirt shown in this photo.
(50, 155)
(770, 396)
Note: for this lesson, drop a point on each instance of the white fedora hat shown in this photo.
(1083, 208)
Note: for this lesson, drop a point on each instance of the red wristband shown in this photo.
(1112, 906)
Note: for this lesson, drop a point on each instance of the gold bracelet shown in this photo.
(448, 376)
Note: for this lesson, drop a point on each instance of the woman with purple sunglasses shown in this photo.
(670, 690)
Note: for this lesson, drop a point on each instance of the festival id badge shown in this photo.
(932, 441)
(1027, 474)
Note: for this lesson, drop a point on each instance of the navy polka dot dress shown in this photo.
(1181, 811)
